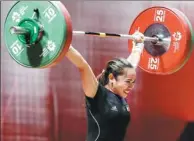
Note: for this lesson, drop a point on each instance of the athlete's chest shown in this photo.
(115, 108)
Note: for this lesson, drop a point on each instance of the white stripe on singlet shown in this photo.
(97, 125)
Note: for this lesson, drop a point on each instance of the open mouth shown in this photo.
(127, 91)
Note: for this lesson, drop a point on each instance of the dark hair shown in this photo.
(116, 67)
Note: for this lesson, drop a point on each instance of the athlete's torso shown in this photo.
(108, 116)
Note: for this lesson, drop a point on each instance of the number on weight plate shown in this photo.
(153, 63)
(159, 15)
(50, 14)
(16, 48)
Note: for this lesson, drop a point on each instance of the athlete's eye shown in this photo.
(131, 81)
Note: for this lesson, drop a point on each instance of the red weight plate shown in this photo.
(68, 32)
(189, 28)
(179, 49)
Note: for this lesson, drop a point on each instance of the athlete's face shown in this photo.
(124, 83)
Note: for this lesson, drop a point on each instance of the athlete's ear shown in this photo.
(111, 78)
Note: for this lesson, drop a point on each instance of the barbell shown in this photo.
(39, 33)
(24, 31)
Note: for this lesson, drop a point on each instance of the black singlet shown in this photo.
(108, 116)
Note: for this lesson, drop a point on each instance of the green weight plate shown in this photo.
(51, 18)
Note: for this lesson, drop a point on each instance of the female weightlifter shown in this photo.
(107, 110)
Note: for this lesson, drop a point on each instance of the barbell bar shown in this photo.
(21, 30)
